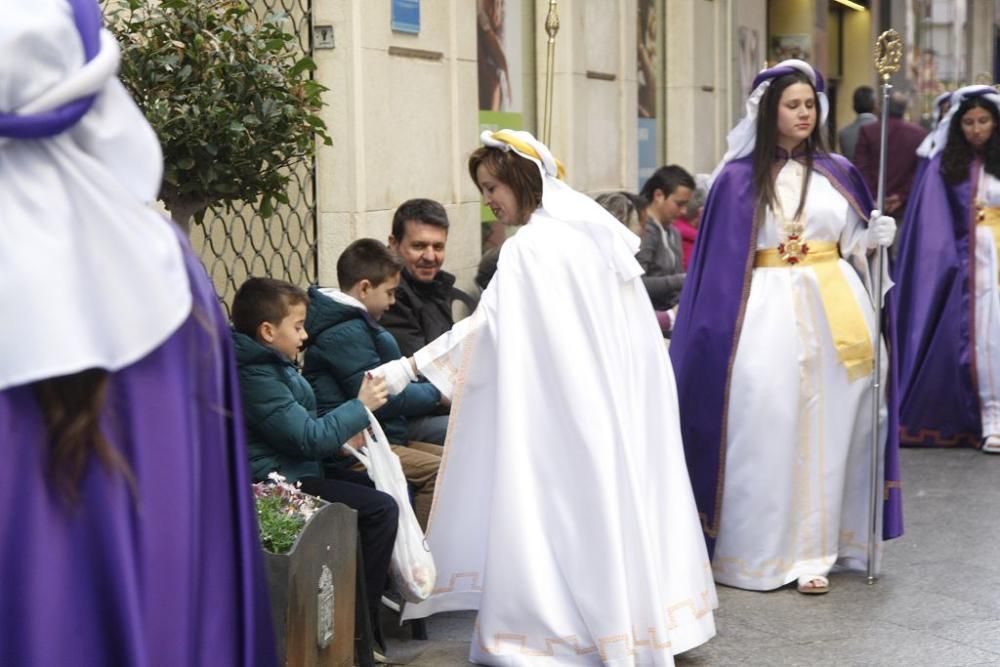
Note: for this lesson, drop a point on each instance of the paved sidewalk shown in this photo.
(936, 605)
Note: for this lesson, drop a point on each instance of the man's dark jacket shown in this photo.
(422, 311)
(902, 141)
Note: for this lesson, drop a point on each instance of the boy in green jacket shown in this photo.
(284, 435)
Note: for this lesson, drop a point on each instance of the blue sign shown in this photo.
(647, 148)
(406, 16)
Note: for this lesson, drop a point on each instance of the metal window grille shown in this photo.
(234, 245)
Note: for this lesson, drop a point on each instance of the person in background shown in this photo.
(902, 140)
(668, 192)
(130, 536)
(628, 209)
(687, 224)
(422, 308)
(864, 107)
(948, 293)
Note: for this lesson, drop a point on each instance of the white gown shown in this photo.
(796, 489)
(988, 312)
(563, 512)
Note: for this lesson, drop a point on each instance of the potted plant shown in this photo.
(310, 551)
(228, 93)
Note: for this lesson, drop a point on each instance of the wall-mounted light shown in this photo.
(853, 5)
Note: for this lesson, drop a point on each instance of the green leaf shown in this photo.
(303, 65)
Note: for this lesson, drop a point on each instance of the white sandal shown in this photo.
(813, 584)
(991, 445)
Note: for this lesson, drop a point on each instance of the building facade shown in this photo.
(636, 84)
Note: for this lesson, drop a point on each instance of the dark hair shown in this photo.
(260, 300)
(518, 173)
(487, 267)
(666, 180)
(766, 144)
(426, 211)
(366, 259)
(71, 407)
(958, 153)
(897, 104)
(864, 99)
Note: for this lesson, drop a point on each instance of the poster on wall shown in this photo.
(784, 47)
(750, 59)
(500, 52)
(646, 71)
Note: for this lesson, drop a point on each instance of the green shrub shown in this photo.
(228, 93)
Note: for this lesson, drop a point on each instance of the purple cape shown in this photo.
(170, 575)
(704, 341)
(933, 305)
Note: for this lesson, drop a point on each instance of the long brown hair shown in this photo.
(766, 143)
(958, 152)
(71, 407)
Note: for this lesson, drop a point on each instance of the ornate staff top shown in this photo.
(551, 28)
(888, 54)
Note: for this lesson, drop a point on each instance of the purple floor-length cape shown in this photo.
(170, 575)
(933, 304)
(703, 346)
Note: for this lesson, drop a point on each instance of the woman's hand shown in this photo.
(373, 392)
(397, 374)
(881, 230)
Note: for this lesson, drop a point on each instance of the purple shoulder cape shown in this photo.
(703, 345)
(933, 305)
(168, 573)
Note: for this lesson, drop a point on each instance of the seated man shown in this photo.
(422, 310)
(348, 342)
(285, 436)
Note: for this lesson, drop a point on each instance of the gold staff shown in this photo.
(551, 28)
(888, 57)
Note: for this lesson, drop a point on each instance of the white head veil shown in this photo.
(562, 202)
(742, 138)
(940, 133)
(89, 276)
(927, 145)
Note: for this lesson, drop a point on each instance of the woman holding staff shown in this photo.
(773, 349)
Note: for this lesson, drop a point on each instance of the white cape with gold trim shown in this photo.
(564, 513)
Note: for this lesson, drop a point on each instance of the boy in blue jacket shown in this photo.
(284, 435)
(347, 342)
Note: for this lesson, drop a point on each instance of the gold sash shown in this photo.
(989, 216)
(843, 312)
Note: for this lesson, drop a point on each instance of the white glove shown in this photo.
(881, 230)
(397, 374)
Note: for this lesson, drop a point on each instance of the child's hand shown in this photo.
(373, 392)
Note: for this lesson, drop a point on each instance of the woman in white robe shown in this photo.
(563, 510)
(786, 495)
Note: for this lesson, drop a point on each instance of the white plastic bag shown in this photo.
(412, 567)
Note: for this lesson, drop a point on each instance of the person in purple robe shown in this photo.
(948, 298)
(129, 534)
(773, 350)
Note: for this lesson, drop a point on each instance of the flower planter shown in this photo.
(312, 591)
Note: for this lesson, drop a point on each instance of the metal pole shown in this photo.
(888, 55)
(551, 28)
